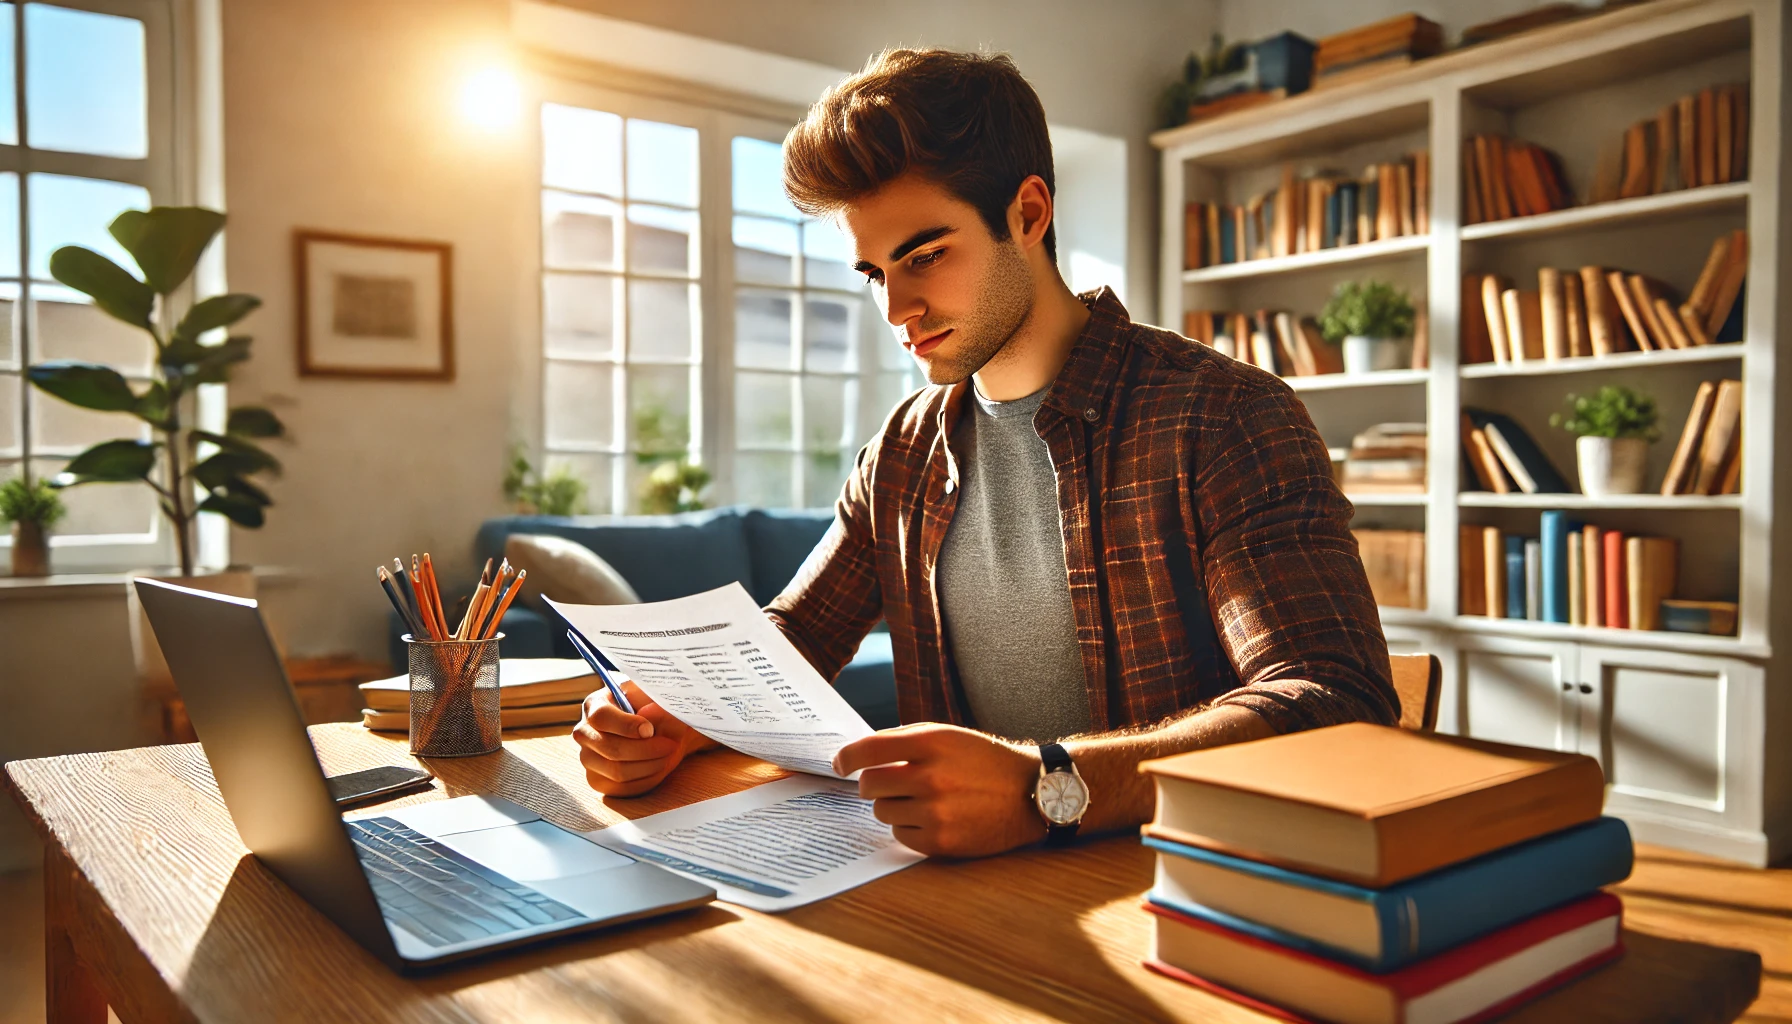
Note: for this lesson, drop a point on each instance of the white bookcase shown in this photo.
(1694, 732)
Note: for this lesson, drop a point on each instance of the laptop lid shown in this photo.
(248, 722)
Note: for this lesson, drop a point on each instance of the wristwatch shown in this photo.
(1060, 794)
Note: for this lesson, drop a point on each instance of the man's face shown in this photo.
(954, 294)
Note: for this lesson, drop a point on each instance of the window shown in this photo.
(87, 139)
(652, 214)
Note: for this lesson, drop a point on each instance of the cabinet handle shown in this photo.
(1586, 688)
(1567, 687)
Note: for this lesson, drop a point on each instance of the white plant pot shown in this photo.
(1611, 465)
(1363, 354)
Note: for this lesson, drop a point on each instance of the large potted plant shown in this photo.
(1373, 322)
(1613, 428)
(193, 471)
(31, 507)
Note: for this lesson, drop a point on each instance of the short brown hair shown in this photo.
(967, 121)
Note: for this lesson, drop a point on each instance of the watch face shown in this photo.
(1062, 797)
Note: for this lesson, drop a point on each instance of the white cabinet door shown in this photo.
(1517, 691)
(1679, 736)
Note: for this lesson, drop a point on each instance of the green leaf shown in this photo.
(253, 421)
(203, 364)
(166, 241)
(153, 405)
(111, 287)
(220, 468)
(217, 311)
(237, 487)
(240, 511)
(111, 462)
(88, 385)
(247, 450)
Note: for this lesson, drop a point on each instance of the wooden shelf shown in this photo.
(1650, 638)
(1391, 616)
(1386, 500)
(1666, 206)
(1365, 252)
(1381, 378)
(1689, 502)
(1621, 361)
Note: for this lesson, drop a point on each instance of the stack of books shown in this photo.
(1395, 563)
(1374, 49)
(1699, 139)
(1572, 573)
(1323, 210)
(1364, 873)
(1387, 458)
(1708, 458)
(1274, 340)
(1502, 458)
(1504, 178)
(531, 692)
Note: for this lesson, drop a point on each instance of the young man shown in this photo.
(1094, 542)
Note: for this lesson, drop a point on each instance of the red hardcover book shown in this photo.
(1617, 586)
(1476, 981)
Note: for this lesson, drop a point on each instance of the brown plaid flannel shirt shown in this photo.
(1209, 552)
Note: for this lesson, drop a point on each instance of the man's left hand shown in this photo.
(948, 791)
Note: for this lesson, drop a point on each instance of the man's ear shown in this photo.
(1030, 214)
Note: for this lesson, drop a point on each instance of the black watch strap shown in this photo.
(1054, 758)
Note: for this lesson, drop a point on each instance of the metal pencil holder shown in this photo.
(454, 697)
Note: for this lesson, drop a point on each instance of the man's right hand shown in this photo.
(627, 755)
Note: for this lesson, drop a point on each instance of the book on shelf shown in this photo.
(1471, 571)
(1375, 49)
(1509, 178)
(1493, 556)
(1699, 139)
(1381, 930)
(1533, 579)
(1592, 576)
(1555, 566)
(1537, 17)
(1520, 456)
(522, 682)
(1515, 585)
(1710, 618)
(1523, 314)
(1273, 340)
(1323, 209)
(1651, 566)
(1484, 469)
(1394, 561)
(1369, 804)
(1720, 441)
(1617, 580)
(1387, 458)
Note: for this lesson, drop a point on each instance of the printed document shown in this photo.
(717, 664)
(772, 847)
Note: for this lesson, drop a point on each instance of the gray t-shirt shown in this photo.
(1003, 589)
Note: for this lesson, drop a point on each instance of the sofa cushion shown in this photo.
(779, 540)
(868, 683)
(565, 570)
(661, 557)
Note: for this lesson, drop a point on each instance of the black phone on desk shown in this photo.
(359, 787)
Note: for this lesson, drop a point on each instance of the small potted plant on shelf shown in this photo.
(32, 507)
(1372, 321)
(1613, 427)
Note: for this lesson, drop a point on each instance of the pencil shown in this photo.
(404, 611)
(435, 595)
(470, 616)
(503, 604)
(402, 580)
(422, 592)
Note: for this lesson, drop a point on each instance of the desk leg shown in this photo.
(72, 992)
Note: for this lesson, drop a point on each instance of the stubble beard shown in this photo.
(1005, 307)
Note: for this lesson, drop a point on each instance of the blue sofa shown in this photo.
(664, 557)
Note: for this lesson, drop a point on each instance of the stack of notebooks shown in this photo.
(1374, 49)
(1271, 339)
(1504, 178)
(1597, 311)
(1395, 563)
(1574, 574)
(1699, 139)
(531, 692)
(1387, 458)
(1502, 458)
(1708, 458)
(1367, 874)
(1324, 210)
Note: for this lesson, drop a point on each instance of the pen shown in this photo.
(590, 657)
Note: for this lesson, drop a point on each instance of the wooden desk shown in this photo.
(154, 906)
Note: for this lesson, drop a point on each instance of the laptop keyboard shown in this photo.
(440, 896)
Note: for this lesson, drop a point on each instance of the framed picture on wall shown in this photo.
(374, 307)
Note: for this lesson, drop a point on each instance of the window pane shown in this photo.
(827, 259)
(579, 232)
(578, 403)
(77, 211)
(9, 304)
(60, 428)
(662, 241)
(888, 343)
(11, 388)
(763, 403)
(762, 329)
(887, 390)
(84, 82)
(9, 111)
(824, 477)
(828, 406)
(660, 315)
(102, 508)
(70, 326)
(578, 313)
(639, 471)
(659, 408)
(764, 479)
(581, 149)
(595, 470)
(831, 334)
(759, 178)
(9, 224)
(662, 162)
(764, 251)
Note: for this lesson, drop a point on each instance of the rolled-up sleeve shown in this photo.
(1289, 595)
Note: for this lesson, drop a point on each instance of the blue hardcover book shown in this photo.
(1228, 236)
(1515, 577)
(1554, 528)
(1386, 929)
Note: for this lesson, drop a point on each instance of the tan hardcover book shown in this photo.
(1575, 311)
(1705, 288)
(1620, 290)
(1577, 595)
(1695, 328)
(1729, 284)
(1472, 210)
(1489, 461)
(1670, 322)
(1592, 547)
(1291, 346)
(1722, 432)
(1732, 483)
(1722, 614)
(1403, 198)
(1326, 357)
(1642, 294)
(1639, 177)
(1682, 468)
(1213, 234)
(1194, 242)
(1471, 573)
(1477, 344)
(1659, 560)
(523, 682)
(1553, 312)
(1284, 213)
(1494, 309)
(1739, 158)
(1501, 187)
(1312, 228)
(1387, 209)
(1371, 804)
(1474, 478)
(1724, 134)
(508, 717)
(1636, 583)
(1526, 193)
(1523, 310)
(1493, 556)
(1549, 175)
(1421, 191)
(1239, 219)
(1686, 125)
(1707, 132)
(1663, 162)
(1604, 330)
(1263, 351)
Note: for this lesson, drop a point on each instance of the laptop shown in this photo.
(418, 887)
